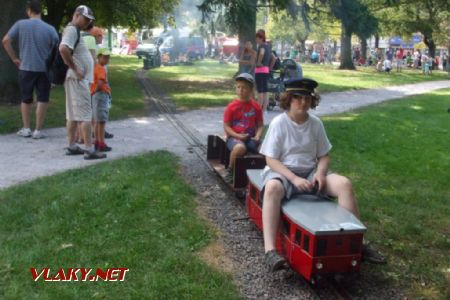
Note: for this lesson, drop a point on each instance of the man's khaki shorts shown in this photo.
(78, 100)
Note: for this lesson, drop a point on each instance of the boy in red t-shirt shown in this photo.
(100, 91)
(242, 121)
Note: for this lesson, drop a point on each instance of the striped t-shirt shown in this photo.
(36, 41)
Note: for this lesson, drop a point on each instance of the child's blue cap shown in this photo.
(247, 77)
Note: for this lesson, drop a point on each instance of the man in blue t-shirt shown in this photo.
(36, 41)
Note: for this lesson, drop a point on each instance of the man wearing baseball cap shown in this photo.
(78, 97)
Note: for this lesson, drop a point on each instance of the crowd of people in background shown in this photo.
(400, 58)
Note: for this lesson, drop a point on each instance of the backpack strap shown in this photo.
(78, 37)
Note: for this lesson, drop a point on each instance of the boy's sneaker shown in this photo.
(24, 132)
(228, 176)
(108, 135)
(103, 147)
(274, 261)
(37, 134)
(94, 155)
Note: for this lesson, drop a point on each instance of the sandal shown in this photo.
(108, 135)
(74, 151)
(274, 261)
(94, 155)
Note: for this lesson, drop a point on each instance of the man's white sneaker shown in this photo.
(37, 134)
(25, 132)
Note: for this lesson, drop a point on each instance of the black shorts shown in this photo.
(261, 82)
(28, 81)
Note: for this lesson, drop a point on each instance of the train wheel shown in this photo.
(240, 194)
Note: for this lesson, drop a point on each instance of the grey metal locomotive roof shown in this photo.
(318, 215)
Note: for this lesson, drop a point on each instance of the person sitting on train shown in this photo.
(296, 147)
(242, 122)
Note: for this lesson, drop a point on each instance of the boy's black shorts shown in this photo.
(28, 81)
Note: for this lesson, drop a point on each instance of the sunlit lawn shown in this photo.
(333, 80)
(136, 213)
(397, 155)
(128, 100)
(208, 83)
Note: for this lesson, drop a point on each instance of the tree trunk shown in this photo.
(428, 40)
(57, 14)
(302, 46)
(9, 89)
(247, 29)
(346, 50)
(364, 48)
(377, 41)
(334, 50)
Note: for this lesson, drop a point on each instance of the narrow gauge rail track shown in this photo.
(328, 287)
(195, 143)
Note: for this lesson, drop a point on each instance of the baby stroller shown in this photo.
(289, 69)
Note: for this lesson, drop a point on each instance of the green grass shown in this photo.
(208, 83)
(333, 80)
(128, 100)
(397, 155)
(135, 213)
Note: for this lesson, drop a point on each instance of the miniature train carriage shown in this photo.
(218, 156)
(316, 235)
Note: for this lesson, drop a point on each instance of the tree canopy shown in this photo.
(240, 15)
(130, 13)
(431, 18)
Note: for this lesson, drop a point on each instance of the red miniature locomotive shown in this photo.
(316, 235)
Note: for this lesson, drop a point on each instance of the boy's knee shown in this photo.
(239, 149)
(274, 190)
(345, 183)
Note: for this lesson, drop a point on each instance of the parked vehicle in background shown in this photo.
(148, 47)
(182, 48)
(149, 50)
(193, 46)
(230, 46)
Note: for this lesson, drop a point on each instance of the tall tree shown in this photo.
(355, 19)
(283, 28)
(429, 17)
(240, 14)
(9, 91)
(366, 29)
